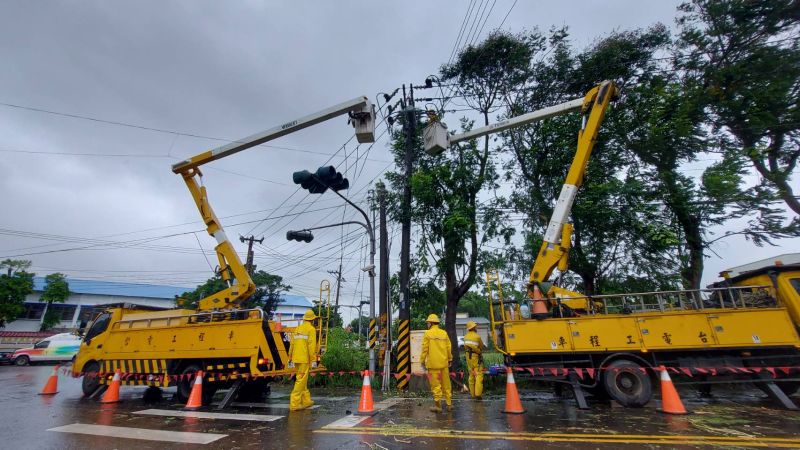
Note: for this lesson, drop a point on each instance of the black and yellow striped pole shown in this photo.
(403, 354)
(373, 333)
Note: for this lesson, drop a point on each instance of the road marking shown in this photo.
(268, 405)
(333, 399)
(209, 415)
(352, 421)
(182, 437)
(566, 437)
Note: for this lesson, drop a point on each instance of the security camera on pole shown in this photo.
(326, 177)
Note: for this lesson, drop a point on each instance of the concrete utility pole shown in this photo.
(249, 264)
(339, 279)
(403, 333)
(383, 285)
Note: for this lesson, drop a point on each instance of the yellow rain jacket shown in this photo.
(474, 346)
(436, 349)
(304, 344)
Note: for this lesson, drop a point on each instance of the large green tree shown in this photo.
(56, 290)
(746, 56)
(615, 222)
(15, 284)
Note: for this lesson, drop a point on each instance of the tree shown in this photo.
(268, 292)
(56, 290)
(474, 304)
(746, 56)
(613, 215)
(354, 326)
(15, 285)
(426, 298)
(445, 189)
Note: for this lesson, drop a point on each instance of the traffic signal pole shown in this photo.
(370, 269)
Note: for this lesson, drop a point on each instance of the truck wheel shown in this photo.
(625, 383)
(91, 378)
(185, 385)
(22, 360)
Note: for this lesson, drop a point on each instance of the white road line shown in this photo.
(268, 405)
(351, 421)
(208, 415)
(182, 437)
(332, 399)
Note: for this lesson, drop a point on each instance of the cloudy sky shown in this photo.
(99, 98)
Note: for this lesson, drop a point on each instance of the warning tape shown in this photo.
(559, 372)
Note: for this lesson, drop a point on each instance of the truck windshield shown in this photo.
(98, 326)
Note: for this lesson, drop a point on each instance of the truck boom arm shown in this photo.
(554, 251)
(240, 285)
(555, 248)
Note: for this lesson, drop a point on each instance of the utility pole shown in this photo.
(383, 284)
(249, 264)
(339, 279)
(403, 333)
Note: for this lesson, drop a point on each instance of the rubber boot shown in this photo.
(436, 407)
(449, 408)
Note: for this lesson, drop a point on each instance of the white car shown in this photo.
(59, 347)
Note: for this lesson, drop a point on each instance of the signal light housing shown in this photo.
(318, 182)
(300, 236)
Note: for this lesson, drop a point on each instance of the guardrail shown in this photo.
(201, 317)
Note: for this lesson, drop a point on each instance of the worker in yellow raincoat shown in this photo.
(436, 357)
(473, 344)
(302, 355)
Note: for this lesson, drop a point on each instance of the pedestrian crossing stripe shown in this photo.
(183, 437)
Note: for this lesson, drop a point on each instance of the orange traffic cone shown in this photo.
(112, 393)
(539, 304)
(51, 387)
(196, 396)
(513, 403)
(365, 405)
(279, 324)
(670, 401)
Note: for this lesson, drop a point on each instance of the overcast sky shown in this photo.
(99, 201)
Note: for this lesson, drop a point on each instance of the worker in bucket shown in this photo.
(436, 357)
(302, 356)
(473, 344)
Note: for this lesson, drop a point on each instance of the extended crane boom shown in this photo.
(240, 285)
(554, 251)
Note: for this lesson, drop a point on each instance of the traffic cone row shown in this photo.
(365, 405)
(51, 387)
(670, 400)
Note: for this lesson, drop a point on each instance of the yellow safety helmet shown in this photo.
(433, 318)
(471, 325)
(309, 315)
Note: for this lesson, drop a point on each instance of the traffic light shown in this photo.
(300, 236)
(325, 177)
(307, 180)
(332, 179)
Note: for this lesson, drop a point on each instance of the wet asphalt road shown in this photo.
(736, 418)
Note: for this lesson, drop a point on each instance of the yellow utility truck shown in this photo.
(237, 348)
(749, 320)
